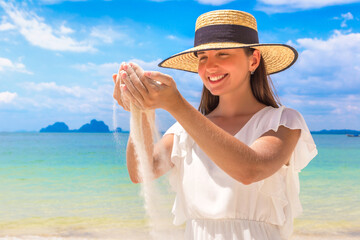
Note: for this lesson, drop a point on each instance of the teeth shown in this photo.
(216, 78)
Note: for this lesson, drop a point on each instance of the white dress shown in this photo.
(215, 206)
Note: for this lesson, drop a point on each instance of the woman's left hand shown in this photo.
(150, 89)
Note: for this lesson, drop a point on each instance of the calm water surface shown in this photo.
(76, 185)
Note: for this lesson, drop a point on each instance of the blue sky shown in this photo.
(57, 57)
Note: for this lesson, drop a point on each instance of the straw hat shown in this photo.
(224, 29)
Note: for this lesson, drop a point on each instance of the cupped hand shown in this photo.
(150, 89)
(119, 88)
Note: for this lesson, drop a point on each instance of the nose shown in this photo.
(211, 65)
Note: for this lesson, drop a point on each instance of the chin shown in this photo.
(216, 92)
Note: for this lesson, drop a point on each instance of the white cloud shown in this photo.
(108, 35)
(214, 2)
(171, 37)
(189, 84)
(107, 69)
(52, 86)
(66, 30)
(148, 66)
(291, 5)
(5, 25)
(346, 17)
(7, 97)
(49, 2)
(181, 40)
(73, 99)
(325, 82)
(8, 65)
(40, 34)
(341, 52)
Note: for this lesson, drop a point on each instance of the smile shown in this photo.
(217, 78)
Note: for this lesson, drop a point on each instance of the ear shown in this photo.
(254, 60)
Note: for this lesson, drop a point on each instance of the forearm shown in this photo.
(131, 156)
(231, 155)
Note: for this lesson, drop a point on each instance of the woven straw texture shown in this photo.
(277, 57)
(226, 17)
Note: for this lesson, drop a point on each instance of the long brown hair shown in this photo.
(261, 86)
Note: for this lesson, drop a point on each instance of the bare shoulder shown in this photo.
(284, 133)
(283, 140)
(276, 148)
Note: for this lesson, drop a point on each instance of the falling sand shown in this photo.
(159, 219)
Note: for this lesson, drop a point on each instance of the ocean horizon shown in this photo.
(76, 186)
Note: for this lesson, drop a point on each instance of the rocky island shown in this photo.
(93, 127)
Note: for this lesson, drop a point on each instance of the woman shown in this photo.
(237, 161)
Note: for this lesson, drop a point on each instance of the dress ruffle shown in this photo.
(279, 192)
(286, 202)
(182, 145)
(305, 149)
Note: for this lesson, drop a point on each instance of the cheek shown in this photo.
(201, 72)
(200, 69)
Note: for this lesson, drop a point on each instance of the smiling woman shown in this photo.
(235, 163)
(261, 84)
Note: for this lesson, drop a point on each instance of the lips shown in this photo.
(217, 78)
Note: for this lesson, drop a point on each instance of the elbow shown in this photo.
(134, 179)
(250, 176)
(246, 181)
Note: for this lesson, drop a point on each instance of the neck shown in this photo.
(241, 102)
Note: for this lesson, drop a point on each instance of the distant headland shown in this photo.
(336, 131)
(100, 127)
(93, 127)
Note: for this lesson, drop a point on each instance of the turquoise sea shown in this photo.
(76, 186)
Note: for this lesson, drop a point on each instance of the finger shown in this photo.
(140, 73)
(126, 104)
(160, 77)
(135, 78)
(131, 99)
(114, 76)
(124, 100)
(134, 92)
(129, 89)
(121, 68)
(147, 82)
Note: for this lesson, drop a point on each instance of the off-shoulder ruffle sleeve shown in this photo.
(305, 149)
(182, 145)
(286, 200)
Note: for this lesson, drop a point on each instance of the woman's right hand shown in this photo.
(119, 89)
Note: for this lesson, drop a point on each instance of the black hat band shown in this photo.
(225, 33)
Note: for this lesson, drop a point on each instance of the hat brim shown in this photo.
(277, 57)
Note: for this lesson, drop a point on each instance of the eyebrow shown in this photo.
(200, 53)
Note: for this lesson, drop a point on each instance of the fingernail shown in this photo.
(148, 74)
(125, 66)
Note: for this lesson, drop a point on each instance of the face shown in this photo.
(225, 71)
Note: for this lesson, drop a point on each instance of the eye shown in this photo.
(202, 58)
(223, 54)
